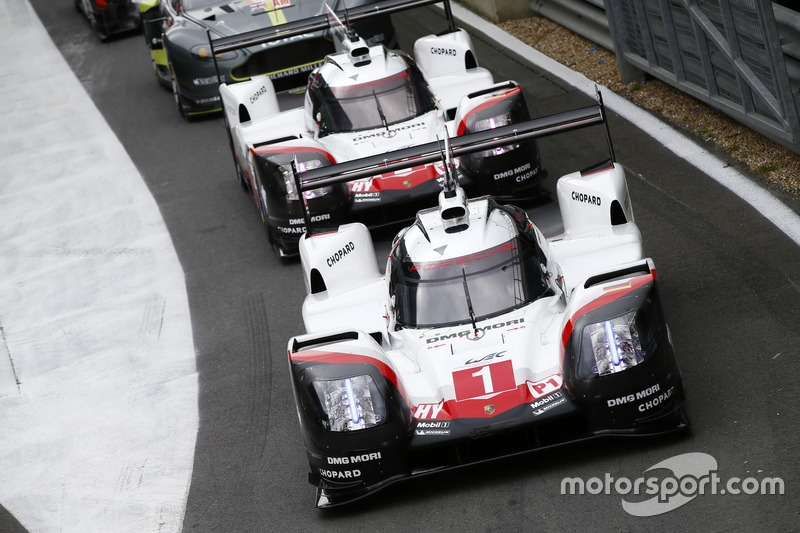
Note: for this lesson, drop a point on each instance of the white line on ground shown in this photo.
(99, 434)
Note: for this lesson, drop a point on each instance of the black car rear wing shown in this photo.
(322, 22)
(465, 144)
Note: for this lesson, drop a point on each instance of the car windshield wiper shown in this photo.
(380, 111)
(469, 300)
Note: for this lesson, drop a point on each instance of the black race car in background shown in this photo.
(110, 17)
(177, 33)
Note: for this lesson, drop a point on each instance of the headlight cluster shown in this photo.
(203, 52)
(350, 404)
(615, 344)
(302, 166)
(490, 124)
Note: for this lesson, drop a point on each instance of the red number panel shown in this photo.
(481, 380)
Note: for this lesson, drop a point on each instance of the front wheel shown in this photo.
(179, 103)
(153, 64)
(262, 201)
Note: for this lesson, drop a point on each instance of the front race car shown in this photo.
(483, 338)
(480, 358)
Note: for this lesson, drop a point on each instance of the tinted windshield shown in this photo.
(374, 104)
(195, 4)
(499, 279)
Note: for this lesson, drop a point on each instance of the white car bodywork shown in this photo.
(483, 338)
(357, 294)
(254, 118)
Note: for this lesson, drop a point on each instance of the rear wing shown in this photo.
(322, 22)
(466, 144)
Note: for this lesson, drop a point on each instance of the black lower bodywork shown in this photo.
(498, 176)
(647, 399)
(515, 176)
(509, 173)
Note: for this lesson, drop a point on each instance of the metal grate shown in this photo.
(725, 52)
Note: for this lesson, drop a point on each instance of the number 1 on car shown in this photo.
(487, 379)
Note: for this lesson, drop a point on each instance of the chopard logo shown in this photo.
(346, 249)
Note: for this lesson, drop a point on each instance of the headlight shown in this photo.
(490, 124)
(203, 51)
(302, 166)
(612, 346)
(350, 404)
(493, 122)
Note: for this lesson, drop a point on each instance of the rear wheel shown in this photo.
(153, 25)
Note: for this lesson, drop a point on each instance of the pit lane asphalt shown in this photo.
(730, 284)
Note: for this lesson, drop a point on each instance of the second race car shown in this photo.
(366, 100)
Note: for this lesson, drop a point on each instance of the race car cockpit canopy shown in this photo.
(387, 90)
(434, 288)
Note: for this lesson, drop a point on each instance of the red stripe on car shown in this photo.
(490, 101)
(608, 297)
(291, 150)
(337, 357)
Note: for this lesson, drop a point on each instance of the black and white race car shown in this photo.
(483, 338)
(366, 100)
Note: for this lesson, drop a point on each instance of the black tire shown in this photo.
(179, 103)
(264, 215)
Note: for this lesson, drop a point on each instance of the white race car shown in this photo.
(483, 338)
(366, 100)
